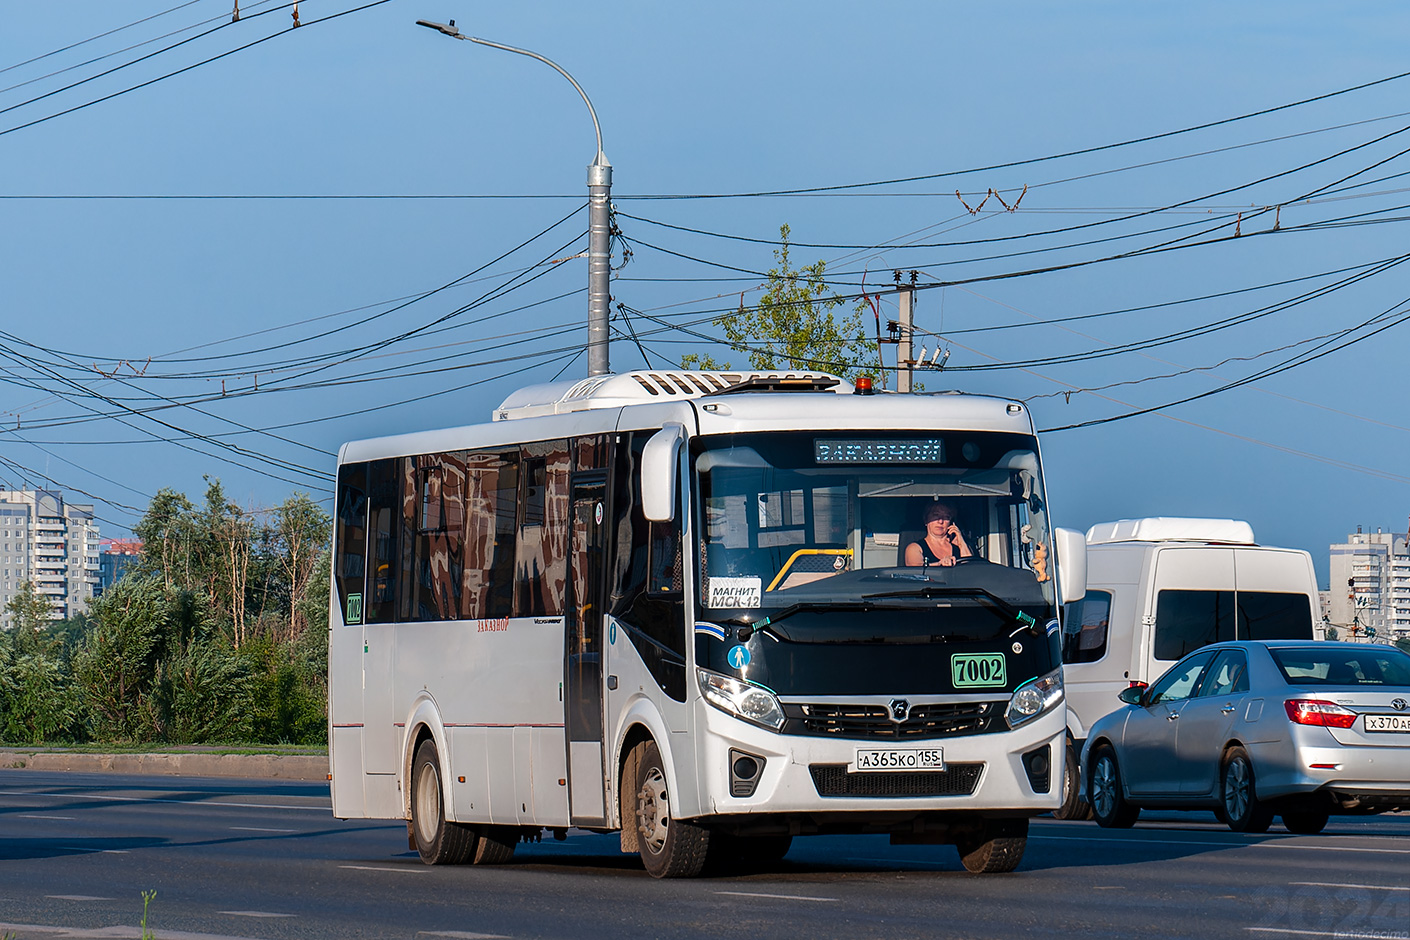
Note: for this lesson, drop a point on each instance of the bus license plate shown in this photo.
(893, 759)
(1399, 723)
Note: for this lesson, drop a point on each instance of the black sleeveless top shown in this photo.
(927, 557)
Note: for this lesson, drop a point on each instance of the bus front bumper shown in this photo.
(1010, 772)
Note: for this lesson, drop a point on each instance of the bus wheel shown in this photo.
(438, 841)
(1073, 806)
(670, 848)
(496, 845)
(996, 848)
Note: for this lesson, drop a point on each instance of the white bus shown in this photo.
(677, 605)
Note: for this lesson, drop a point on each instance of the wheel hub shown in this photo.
(428, 803)
(1103, 788)
(653, 811)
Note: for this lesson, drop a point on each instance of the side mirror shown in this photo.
(659, 471)
(1132, 695)
(1071, 547)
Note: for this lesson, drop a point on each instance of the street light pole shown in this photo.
(599, 180)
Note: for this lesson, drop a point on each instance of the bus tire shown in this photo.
(669, 847)
(996, 848)
(438, 841)
(1073, 805)
(496, 845)
(1104, 792)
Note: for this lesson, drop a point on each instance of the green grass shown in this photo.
(243, 749)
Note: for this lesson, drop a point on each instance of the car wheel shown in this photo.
(1109, 805)
(1243, 811)
(1073, 805)
(1306, 822)
(670, 848)
(996, 848)
(438, 841)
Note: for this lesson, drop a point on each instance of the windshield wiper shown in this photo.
(988, 598)
(747, 628)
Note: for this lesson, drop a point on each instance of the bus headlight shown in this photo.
(742, 699)
(1034, 697)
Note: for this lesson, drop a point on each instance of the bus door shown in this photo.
(582, 696)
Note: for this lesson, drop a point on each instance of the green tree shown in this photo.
(302, 530)
(117, 663)
(27, 614)
(798, 323)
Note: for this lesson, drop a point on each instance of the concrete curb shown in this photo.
(306, 767)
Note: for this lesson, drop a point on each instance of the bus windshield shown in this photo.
(807, 521)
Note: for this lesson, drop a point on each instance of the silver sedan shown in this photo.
(1257, 729)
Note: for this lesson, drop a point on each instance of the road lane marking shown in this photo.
(91, 851)
(1328, 884)
(256, 914)
(462, 935)
(153, 799)
(77, 897)
(1136, 843)
(35, 816)
(1346, 934)
(258, 829)
(782, 897)
(413, 871)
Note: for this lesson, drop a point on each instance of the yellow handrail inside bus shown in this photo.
(805, 551)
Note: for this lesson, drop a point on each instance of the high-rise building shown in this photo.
(50, 542)
(117, 556)
(1370, 586)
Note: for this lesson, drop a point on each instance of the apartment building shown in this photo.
(51, 542)
(1370, 586)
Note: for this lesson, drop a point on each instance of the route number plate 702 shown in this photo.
(889, 759)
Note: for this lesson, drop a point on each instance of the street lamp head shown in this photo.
(447, 28)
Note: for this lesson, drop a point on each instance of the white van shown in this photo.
(1160, 588)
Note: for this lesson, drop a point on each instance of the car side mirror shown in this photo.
(659, 469)
(1132, 695)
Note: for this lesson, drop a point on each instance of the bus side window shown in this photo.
(434, 543)
(646, 575)
(541, 558)
(384, 512)
(351, 565)
(491, 525)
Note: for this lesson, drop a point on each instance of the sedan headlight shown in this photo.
(1034, 697)
(742, 699)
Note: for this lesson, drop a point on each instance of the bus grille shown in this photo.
(938, 720)
(954, 780)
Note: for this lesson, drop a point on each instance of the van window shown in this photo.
(1188, 620)
(1264, 615)
(1085, 625)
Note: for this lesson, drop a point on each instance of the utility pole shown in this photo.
(905, 358)
(599, 180)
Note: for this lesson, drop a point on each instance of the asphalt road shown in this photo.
(265, 859)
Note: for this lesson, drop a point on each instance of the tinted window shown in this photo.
(435, 540)
(1267, 616)
(645, 586)
(1179, 682)
(1188, 620)
(541, 557)
(350, 564)
(384, 525)
(1085, 625)
(1375, 666)
(1228, 674)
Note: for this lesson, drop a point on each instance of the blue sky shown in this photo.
(725, 98)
